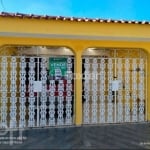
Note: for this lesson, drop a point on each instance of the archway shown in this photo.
(114, 85)
(37, 86)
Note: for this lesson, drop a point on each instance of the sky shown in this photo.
(104, 9)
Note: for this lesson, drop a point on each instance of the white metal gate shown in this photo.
(29, 97)
(114, 90)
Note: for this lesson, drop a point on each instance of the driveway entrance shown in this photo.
(36, 91)
(114, 88)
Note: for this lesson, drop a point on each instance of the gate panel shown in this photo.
(22, 106)
(114, 90)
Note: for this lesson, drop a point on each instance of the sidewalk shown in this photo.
(110, 136)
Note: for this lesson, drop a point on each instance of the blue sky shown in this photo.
(105, 9)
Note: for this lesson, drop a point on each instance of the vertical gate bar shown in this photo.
(120, 92)
(4, 87)
(115, 90)
(43, 72)
(86, 84)
(31, 121)
(22, 89)
(134, 90)
(52, 99)
(94, 90)
(69, 98)
(127, 90)
(141, 94)
(60, 106)
(110, 96)
(73, 87)
(13, 90)
(38, 92)
(102, 106)
(0, 95)
(146, 98)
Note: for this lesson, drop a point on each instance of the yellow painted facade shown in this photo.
(78, 36)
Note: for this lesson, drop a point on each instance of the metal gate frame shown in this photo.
(14, 99)
(93, 105)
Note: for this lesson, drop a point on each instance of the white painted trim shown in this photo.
(82, 37)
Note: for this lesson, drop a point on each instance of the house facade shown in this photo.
(57, 71)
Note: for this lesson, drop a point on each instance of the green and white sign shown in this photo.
(58, 67)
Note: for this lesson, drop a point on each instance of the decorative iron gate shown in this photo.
(30, 97)
(114, 90)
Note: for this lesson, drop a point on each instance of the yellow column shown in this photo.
(78, 89)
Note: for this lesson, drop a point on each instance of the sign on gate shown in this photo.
(115, 85)
(57, 67)
(37, 86)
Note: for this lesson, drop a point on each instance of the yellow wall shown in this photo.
(34, 31)
(47, 27)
